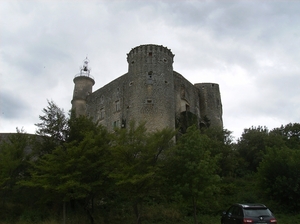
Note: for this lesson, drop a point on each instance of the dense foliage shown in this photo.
(74, 169)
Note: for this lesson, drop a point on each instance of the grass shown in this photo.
(287, 219)
(203, 219)
(151, 218)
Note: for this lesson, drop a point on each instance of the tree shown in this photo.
(185, 120)
(14, 157)
(53, 123)
(75, 170)
(290, 134)
(53, 128)
(222, 146)
(79, 126)
(136, 155)
(252, 146)
(193, 170)
(279, 176)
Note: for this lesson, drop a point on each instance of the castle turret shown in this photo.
(210, 104)
(83, 87)
(151, 90)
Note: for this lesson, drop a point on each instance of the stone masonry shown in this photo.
(150, 91)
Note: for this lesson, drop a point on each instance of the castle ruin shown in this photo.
(150, 91)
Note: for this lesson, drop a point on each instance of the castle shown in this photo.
(150, 91)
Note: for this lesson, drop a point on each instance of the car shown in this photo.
(248, 214)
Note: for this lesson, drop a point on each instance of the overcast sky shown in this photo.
(250, 48)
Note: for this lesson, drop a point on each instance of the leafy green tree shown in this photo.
(14, 155)
(53, 130)
(184, 120)
(136, 157)
(193, 169)
(279, 177)
(78, 126)
(290, 134)
(54, 122)
(222, 146)
(75, 170)
(252, 146)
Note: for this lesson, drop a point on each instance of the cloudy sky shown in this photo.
(250, 48)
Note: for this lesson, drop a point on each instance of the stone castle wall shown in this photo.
(210, 103)
(150, 91)
(186, 95)
(150, 69)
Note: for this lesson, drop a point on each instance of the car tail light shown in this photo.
(273, 221)
(246, 221)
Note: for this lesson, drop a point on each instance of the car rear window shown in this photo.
(255, 212)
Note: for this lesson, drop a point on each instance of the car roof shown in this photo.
(251, 205)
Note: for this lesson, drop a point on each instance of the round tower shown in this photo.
(210, 104)
(83, 87)
(151, 86)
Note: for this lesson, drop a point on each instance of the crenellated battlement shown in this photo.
(149, 49)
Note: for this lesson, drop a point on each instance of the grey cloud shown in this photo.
(251, 48)
(12, 107)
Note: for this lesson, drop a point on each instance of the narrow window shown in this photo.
(150, 54)
(150, 78)
(116, 124)
(149, 101)
(102, 99)
(117, 105)
(182, 91)
(102, 113)
(187, 107)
